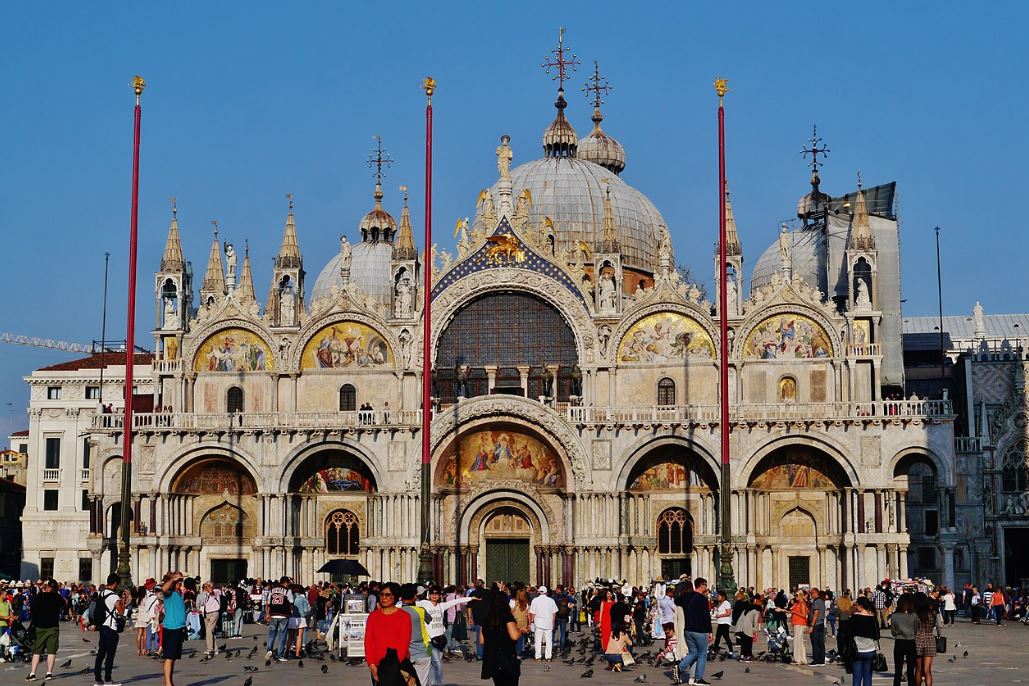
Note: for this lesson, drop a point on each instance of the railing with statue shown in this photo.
(188, 421)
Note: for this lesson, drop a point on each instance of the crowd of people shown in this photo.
(412, 631)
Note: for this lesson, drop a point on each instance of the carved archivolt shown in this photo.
(196, 338)
(314, 326)
(688, 310)
(754, 319)
(519, 410)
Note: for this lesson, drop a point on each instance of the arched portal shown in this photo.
(916, 485)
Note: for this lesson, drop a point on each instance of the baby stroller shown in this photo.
(15, 643)
(778, 645)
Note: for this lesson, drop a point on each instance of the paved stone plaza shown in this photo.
(995, 657)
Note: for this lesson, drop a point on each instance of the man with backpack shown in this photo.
(279, 610)
(108, 619)
(565, 607)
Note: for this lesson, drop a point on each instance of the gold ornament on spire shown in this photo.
(175, 206)
(138, 84)
(429, 86)
(721, 87)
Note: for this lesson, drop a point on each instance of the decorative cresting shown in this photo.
(785, 332)
(667, 336)
(237, 347)
(504, 248)
(347, 344)
(448, 302)
(201, 344)
(311, 337)
(501, 409)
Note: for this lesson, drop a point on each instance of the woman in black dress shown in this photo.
(499, 635)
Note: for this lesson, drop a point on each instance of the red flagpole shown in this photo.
(124, 568)
(424, 555)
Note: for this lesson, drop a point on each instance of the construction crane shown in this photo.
(68, 346)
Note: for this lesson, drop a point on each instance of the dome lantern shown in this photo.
(599, 147)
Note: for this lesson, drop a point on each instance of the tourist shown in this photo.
(543, 613)
(419, 649)
(864, 629)
(616, 649)
(565, 609)
(975, 605)
(497, 638)
(831, 614)
(799, 613)
(746, 628)
(298, 620)
(520, 611)
(173, 626)
(209, 606)
(476, 614)
(816, 627)
(602, 616)
(902, 627)
(45, 612)
(387, 638)
(436, 609)
(950, 608)
(108, 607)
(697, 627)
(927, 626)
(882, 605)
(279, 609)
(997, 602)
(723, 622)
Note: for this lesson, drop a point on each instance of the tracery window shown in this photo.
(508, 330)
(674, 532)
(347, 398)
(666, 392)
(234, 400)
(1015, 476)
(342, 533)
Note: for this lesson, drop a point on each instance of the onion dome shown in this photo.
(600, 148)
(378, 224)
(560, 139)
(814, 202)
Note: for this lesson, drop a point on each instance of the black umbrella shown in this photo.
(343, 567)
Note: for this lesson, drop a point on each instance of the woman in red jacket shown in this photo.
(387, 627)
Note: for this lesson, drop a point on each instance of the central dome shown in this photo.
(571, 192)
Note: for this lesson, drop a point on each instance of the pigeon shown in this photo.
(718, 675)
(87, 670)
(952, 658)
(966, 655)
(67, 664)
(223, 647)
(569, 662)
(255, 638)
(85, 640)
(325, 669)
(248, 668)
(546, 667)
(250, 655)
(588, 674)
(332, 656)
(746, 670)
(641, 679)
(300, 664)
(249, 681)
(469, 657)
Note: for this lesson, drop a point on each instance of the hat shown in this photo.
(149, 584)
(542, 590)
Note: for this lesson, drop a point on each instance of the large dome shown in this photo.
(369, 272)
(807, 258)
(571, 192)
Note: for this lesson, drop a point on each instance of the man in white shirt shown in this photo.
(108, 607)
(543, 613)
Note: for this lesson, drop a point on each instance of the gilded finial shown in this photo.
(562, 61)
(289, 199)
(214, 222)
(429, 85)
(721, 87)
(138, 84)
(175, 207)
(403, 189)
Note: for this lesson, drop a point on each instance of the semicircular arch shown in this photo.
(286, 474)
(675, 332)
(486, 503)
(806, 333)
(349, 340)
(904, 459)
(183, 458)
(829, 450)
(244, 345)
(663, 449)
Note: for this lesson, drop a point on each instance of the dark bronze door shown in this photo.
(507, 559)
(800, 570)
(228, 571)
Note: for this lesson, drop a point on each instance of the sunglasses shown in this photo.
(385, 595)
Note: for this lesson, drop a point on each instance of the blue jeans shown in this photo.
(862, 669)
(473, 636)
(561, 631)
(151, 640)
(276, 629)
(696, 642)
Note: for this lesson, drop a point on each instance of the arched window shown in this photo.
(666, 392)
(342, 535)
(787, 390)
(1015, 477)
(234, 399)
(674, 532)
(347, 398)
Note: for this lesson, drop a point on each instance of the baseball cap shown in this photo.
(542, 589)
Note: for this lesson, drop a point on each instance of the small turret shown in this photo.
(213, 288)
(286, 294)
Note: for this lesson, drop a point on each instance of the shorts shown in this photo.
(171, 643)
(46, 641)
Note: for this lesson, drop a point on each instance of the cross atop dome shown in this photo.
(563, 60)
(815, 150)
(378, 158)
(599, 147)
(597, 85)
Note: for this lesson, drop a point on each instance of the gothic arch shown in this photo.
(496, 280)
(285, 472)
(646, 448)
(316, 325)
(200, 336)
(823, 444)
(491, 409)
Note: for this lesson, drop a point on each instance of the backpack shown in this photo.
(98, 613)
(562, 607)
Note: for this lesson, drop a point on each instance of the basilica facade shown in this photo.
(575, 422)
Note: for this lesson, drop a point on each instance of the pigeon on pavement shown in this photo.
(588, 674)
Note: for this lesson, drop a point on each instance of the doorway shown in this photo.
(673, 568)
(507, 559)
(228, 571)
(800, 571)
(1016, 555)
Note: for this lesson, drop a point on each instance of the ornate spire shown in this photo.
(173, 260)
(404, 248)
(378, 224)
(598, 147)
(560, 139)
(289, 250)
(245, 289)
(732, 238)
(814, 151)
(861, 237)
(610, 242)
(214, 280)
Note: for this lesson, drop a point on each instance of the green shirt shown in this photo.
(5, 612)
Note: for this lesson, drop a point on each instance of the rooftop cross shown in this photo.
(215, 223)
(175, 207)
(815, 150)
(596, 85)
(289, 197)
(378, 158)
(562, 60)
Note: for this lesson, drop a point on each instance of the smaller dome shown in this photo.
(813, 202)
(378, 224)
(560, 139)
(369, 272)
(602, 149)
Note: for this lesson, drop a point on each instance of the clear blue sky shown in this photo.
(247, 101)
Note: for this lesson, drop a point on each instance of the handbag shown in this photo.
(627, 658)
(439, 642)
(941, 642)
(879, 663)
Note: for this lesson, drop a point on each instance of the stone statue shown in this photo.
(980, 319)
(287, 307)
(607, 293)
(504, 157)
(405, 347)
(404, 298)
(731, 296)
(603, 336)
(664, 250)
(521, 210)
(346, 252)
(861, 298)
(785, 247)
(230, 262)
(171, 315)
(446, 258)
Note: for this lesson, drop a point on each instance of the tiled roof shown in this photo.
(97, 361)
(23, 432)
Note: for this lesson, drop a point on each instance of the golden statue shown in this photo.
(521, 211)
(486, 209)
(506, 246)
